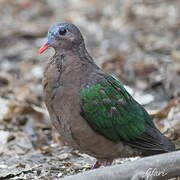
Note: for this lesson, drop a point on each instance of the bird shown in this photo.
(91, 110)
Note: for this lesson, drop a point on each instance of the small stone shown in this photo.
(3, 166)
(3, 137)
(60, 174)
(78, 165)
(63, 156)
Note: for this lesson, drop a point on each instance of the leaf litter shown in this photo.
(135, 41)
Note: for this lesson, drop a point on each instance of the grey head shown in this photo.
(63, 36)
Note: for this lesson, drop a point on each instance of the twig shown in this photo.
(158, 167)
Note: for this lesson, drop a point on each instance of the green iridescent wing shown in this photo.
(111, 111)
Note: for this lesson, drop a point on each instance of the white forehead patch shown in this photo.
(53, 31)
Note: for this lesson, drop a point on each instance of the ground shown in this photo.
(136, 41)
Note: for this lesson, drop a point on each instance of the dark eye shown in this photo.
(62, 31)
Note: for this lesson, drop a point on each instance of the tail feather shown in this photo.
(152, 142)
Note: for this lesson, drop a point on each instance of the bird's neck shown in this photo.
(73, 67)
(72, 57)
(68, 59)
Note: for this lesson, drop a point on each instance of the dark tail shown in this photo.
(152, 142)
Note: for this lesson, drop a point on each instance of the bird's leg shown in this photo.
(108, 162)
(96, 165)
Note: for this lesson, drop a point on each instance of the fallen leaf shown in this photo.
(25, 94)
(163, 113)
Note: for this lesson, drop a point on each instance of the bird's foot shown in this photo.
(108, 162)
(96, 165)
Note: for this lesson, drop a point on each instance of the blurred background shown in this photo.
(136, 41)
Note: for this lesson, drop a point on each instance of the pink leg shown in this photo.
(96, 165)
(108, 162)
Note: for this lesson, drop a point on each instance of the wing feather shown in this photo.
(111, 111)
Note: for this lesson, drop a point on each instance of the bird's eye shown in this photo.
(62, 31)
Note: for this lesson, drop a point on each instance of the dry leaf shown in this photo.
(163, 113)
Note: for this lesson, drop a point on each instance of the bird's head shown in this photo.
(62, 36)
